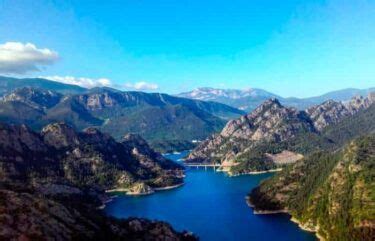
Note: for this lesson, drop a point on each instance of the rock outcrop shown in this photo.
(166, 122)
(270, 122)
(274, 128)
(331, 112)
(52, 183)
(86, 158)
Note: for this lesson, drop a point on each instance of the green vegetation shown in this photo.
(307, 143)
(167, 146)
(330, 192)
(156, 117)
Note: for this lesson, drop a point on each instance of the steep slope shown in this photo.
(330, 193)
(90, 158)
(26, 215)
(240, 139)
(332, 112)
(52, 182)
(34, 97)
(157, 117)
(9, 84)
(249, 99)
(250, 142)
(27, 105)
(165, 121)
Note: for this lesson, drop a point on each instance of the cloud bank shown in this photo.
(100, 82)
(141, 86)
(19, 58)
(81, 81)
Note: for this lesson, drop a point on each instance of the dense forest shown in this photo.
(332, 193)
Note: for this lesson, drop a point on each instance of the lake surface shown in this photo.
(212, 206)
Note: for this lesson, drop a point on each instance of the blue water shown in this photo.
(212, 206)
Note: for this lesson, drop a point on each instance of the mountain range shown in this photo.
(272, 134)
(84, 143)
(167, 122)
(249, 99)
(325, 156)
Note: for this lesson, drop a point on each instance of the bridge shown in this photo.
(198, 165)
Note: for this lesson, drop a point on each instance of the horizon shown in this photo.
(299, 49)
(197, 88)
(187, 120)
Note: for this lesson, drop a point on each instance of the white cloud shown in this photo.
(141, 86)
(81, 81)
(19, 58)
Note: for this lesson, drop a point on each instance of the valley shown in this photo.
(84, 154)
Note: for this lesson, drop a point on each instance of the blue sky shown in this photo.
(291, 48)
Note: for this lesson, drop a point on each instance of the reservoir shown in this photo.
(212, 206)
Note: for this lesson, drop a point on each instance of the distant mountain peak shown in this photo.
(250, 98)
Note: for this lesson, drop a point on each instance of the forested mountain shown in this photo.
(52, 183)
(251, 142)
(82, 158)
(168, 122)
(331, 193)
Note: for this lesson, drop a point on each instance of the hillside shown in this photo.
(84, 159)
(248, 143)
(53, 182)
(167, 122)
(331, 193)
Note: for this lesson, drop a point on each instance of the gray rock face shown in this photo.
(98, 101)
(327, 113)
(331, 112)
(269, 122)
(36, 98)
(272, 122)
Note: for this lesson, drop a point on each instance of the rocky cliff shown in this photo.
(52, 183)
(331, 112)
(85, 158)
(272, 128)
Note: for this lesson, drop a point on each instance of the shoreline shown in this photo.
(126, 190)
(254, 172)
(307, 229)
(261, 212)
(292, 219)
(168, 187)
